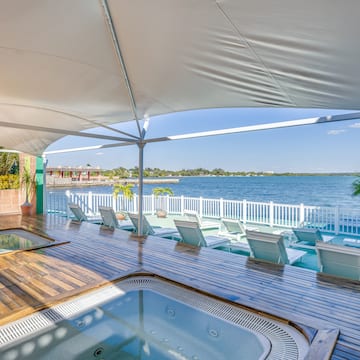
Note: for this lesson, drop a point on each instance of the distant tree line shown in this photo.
(124, 173)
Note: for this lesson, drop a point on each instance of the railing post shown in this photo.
(68, 199)
(271, 214)
(135, 203)
(182, 204)
(200, 206)
(167, 203)
(244, 211)
(337, 220)
(124, 204)
(221, 208)
(152, 204)
(302, 215)
(90, 203)
(113, 202)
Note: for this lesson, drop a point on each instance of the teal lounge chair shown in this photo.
(81, 216)
(204, 225)
(338, 260)
(110, 220)
(170, 233)
(191, 234)
(308, 238)
(271, 247)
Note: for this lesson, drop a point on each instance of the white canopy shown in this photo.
(71, 65)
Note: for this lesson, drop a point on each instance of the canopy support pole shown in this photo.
(141, 145)
(141, 188)
(45, 162)
(120, 58)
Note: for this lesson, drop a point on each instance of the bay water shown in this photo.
(308, 190)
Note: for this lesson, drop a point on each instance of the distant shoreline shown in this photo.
(65, 183)
(55, 182)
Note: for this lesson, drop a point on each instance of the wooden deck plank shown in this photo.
(96, 256)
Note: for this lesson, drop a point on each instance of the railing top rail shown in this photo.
(336, 219)
(226, 200)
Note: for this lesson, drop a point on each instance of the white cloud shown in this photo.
(336, 132)
(99, 153)
(356, 125)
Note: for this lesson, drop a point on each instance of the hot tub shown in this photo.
(19, 239)
(149, 318)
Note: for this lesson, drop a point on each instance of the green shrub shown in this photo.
(9, 163)
(9, 181)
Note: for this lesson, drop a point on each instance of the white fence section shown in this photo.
(329, 219)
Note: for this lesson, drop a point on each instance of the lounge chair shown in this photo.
(81, 216)
(308, 237)
(155, 231)
(339, 260)
(271, 247)
(191, 234)
(351, 242)
(204, 225)
(234, 229)
(110, 220)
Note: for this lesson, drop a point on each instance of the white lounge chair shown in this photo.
(191, 234)
(81, 216)
(204, 225)
(338, 260)
(150, 230)
(351, 242)
(235, 231)
(110, 220)
(308, 238)
(271, 247)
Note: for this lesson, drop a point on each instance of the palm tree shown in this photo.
(160, 191)
(28, 182)
(126, 190)
(356, 187)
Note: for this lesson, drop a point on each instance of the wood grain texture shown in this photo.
(95, 256)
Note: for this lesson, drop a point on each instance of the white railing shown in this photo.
(329, 219)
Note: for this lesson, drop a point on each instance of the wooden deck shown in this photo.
(94, 256)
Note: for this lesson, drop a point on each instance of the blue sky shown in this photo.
(331, 147)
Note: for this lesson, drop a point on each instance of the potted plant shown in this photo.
(161, 191)
(127, 192)
(28, 183)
